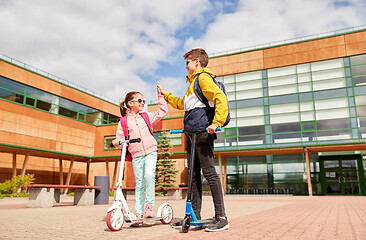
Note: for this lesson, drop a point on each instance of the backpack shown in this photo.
(123, 121)
(202, 98)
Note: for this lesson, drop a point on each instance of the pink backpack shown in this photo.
(123, 121)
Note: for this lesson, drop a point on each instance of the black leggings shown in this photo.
(204, 158)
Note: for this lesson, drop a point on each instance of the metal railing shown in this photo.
(288, 41)
(55, 78)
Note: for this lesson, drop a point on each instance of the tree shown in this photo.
(165, 172)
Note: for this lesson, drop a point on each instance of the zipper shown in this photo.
(142, 142)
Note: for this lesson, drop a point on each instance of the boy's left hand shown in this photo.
(211, 129)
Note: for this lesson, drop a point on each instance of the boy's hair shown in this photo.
(129, 97)
(198, 53)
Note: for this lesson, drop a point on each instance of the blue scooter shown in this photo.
(190, 218)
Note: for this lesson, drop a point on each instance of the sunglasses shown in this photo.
(188, 61)
(139, 100)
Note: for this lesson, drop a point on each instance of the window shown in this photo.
(36, 98)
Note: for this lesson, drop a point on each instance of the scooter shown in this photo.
(115, 214)
(190, 218)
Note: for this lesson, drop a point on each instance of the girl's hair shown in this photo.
(123, 105)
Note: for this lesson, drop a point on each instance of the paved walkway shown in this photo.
(250, 217)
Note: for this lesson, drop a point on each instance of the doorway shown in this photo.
(342, 175)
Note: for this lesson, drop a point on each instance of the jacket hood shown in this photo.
(193, 76)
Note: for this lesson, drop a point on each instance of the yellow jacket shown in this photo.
(195, 118)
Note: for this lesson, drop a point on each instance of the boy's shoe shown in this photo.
(218, 224)
(149, 211)
(178, 224)
(136, 224)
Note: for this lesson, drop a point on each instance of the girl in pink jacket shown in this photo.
(144, 154)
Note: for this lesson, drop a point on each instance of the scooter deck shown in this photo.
(202, 222)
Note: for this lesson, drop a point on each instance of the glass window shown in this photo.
(279, 81)
(247, 112)
(287, 127)
(252, 159)
(328, 64)
(285, 118)
(283, 99)
(65, 103)
(229, 79)
(360, 90)
(302, 68)
(67, 112)
(330, 93)
(307, 116)
(288, 158)
(230, 87)
(305, 77)
(329, 84)
(305, 87)
(358, 70)
(287, 138)
(284, 108)
(360, 59)
(361, 111)
(250, 121)
(12, 85)
(251, 130)
(249, 103)
(249, 85)
(288, 167)
(251, 140)
(306, 106)
(332, 113)
(328, 74)
(334, 135)
(359, 80)
(333, 124)
(281, 90)
(248, 76)
(281, 71)
(331, 103)
(107, 141)
(255, 93)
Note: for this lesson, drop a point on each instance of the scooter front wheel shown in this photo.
(115, 219)
(166, 211)
(186, 224)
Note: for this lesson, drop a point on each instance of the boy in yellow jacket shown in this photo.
(197, 119)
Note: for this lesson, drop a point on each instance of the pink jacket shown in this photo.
(137, 128)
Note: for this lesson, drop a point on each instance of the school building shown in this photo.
(298, 124)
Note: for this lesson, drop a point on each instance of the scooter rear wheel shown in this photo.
(115, 219)
(186, 224)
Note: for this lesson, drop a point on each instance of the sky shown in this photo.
(111, 47)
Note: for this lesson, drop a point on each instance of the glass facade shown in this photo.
(34, 98)
(308, 104)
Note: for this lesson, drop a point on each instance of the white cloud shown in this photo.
(258, 21)
(109, 47)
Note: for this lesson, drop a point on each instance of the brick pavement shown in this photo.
(250, 217)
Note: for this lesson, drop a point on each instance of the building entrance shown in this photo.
(342, 175)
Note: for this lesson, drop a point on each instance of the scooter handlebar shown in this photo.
(134, 140)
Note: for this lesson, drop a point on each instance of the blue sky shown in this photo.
(112, 47)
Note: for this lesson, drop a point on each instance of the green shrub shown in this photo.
(12, 185)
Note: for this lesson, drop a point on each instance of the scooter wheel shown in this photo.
(115, 219)
(186, 224)
(167, 211)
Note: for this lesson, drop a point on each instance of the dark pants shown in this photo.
(204, 158)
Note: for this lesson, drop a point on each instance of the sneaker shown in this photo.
(149, 211)
(177, 224)
(136, 224)
(217, 225)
